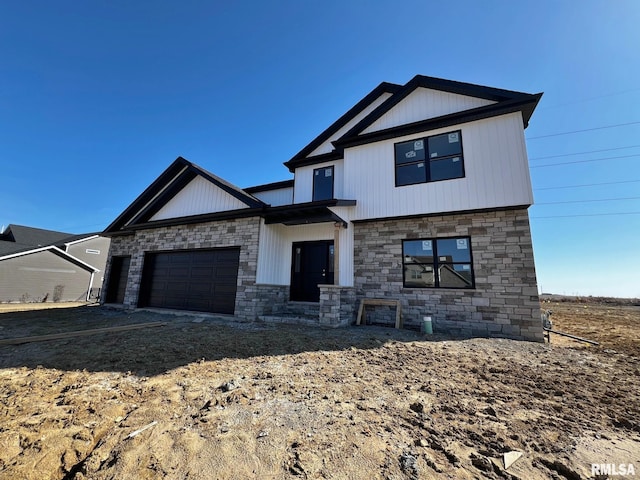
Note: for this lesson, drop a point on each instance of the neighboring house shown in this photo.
(39, 265)
(419, 193)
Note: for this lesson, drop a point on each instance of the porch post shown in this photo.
(336, 253)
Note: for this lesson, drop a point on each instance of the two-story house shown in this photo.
(419, 193)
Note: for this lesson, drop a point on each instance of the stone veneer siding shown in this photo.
(337, 305)
(504, 302)
(243, 233)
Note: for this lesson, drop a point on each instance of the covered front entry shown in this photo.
(200, 280)
(311, 265)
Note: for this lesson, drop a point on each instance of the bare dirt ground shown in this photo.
(226, 400)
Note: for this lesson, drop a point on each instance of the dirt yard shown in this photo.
(207, 398)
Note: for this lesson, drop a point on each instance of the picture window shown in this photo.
(438, 263)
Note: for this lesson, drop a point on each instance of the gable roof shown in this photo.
(299, 158)
(505, 101)
(270, 186)
(168, 185)
(9, 248)
(32, 236)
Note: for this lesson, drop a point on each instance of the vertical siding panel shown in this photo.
(303, 185)
(281, 196)
(268, 251)
(274, 255)
(424, 103)
(327, 147)
(199, 196)
(495, 174)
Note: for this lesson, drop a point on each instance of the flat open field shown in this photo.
(227, 400)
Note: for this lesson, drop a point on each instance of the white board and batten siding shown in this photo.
(327, 147)
(277, 197)
(304, 181)
(198, 197)
(496, 174)
(275, 250)
(424, 103)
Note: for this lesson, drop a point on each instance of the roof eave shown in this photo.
(165, 187)
(525, 106)
(384, 87)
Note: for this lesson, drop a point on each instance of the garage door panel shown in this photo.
(227, 271)
(201, 280)
(200, 289)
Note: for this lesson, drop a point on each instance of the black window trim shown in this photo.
(436, 262)
(427, 160)
(313, 182)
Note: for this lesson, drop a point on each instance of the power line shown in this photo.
(585, 130)
(583, 161)
(587, 201)
(584, 153)
(544, 107)
(590, 215)
(587, 185)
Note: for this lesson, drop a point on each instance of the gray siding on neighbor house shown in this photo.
(504, 301)
(99, 261)
(31, 277)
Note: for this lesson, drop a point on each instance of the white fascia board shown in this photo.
(52, 248)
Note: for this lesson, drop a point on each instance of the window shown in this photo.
(429, 159)
(323, 183)
(437, 263)
(92, 251)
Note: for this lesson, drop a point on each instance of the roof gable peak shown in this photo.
(171, 182)
(382, 89)
(483, 102)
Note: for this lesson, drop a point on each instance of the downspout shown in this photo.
(90, 285)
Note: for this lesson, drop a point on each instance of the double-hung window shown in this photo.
(438, 263)
(429, 159)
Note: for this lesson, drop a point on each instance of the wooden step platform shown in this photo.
(379, 301)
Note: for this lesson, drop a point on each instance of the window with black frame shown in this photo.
(437, 263)
(429, 159)
(323, 183)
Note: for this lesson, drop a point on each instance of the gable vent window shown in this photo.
(92, 251)
(438, 263)
(429, 159)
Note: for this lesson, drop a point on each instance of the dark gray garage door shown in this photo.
(200, 280)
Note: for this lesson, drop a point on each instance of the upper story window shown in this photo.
(323, 183)
(429, 159)
(438, 263)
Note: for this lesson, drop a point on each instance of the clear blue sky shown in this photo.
(97, 98)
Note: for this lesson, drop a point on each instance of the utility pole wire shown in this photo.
(584, 153)
(585, 130)
(584, 100)
(590, 215)
(586, 201)
(583, 161)
(587, 185)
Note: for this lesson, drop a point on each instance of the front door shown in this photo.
(311, 265)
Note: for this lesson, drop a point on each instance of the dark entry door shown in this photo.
(312, 264)
(200, 280)
(118, 279)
